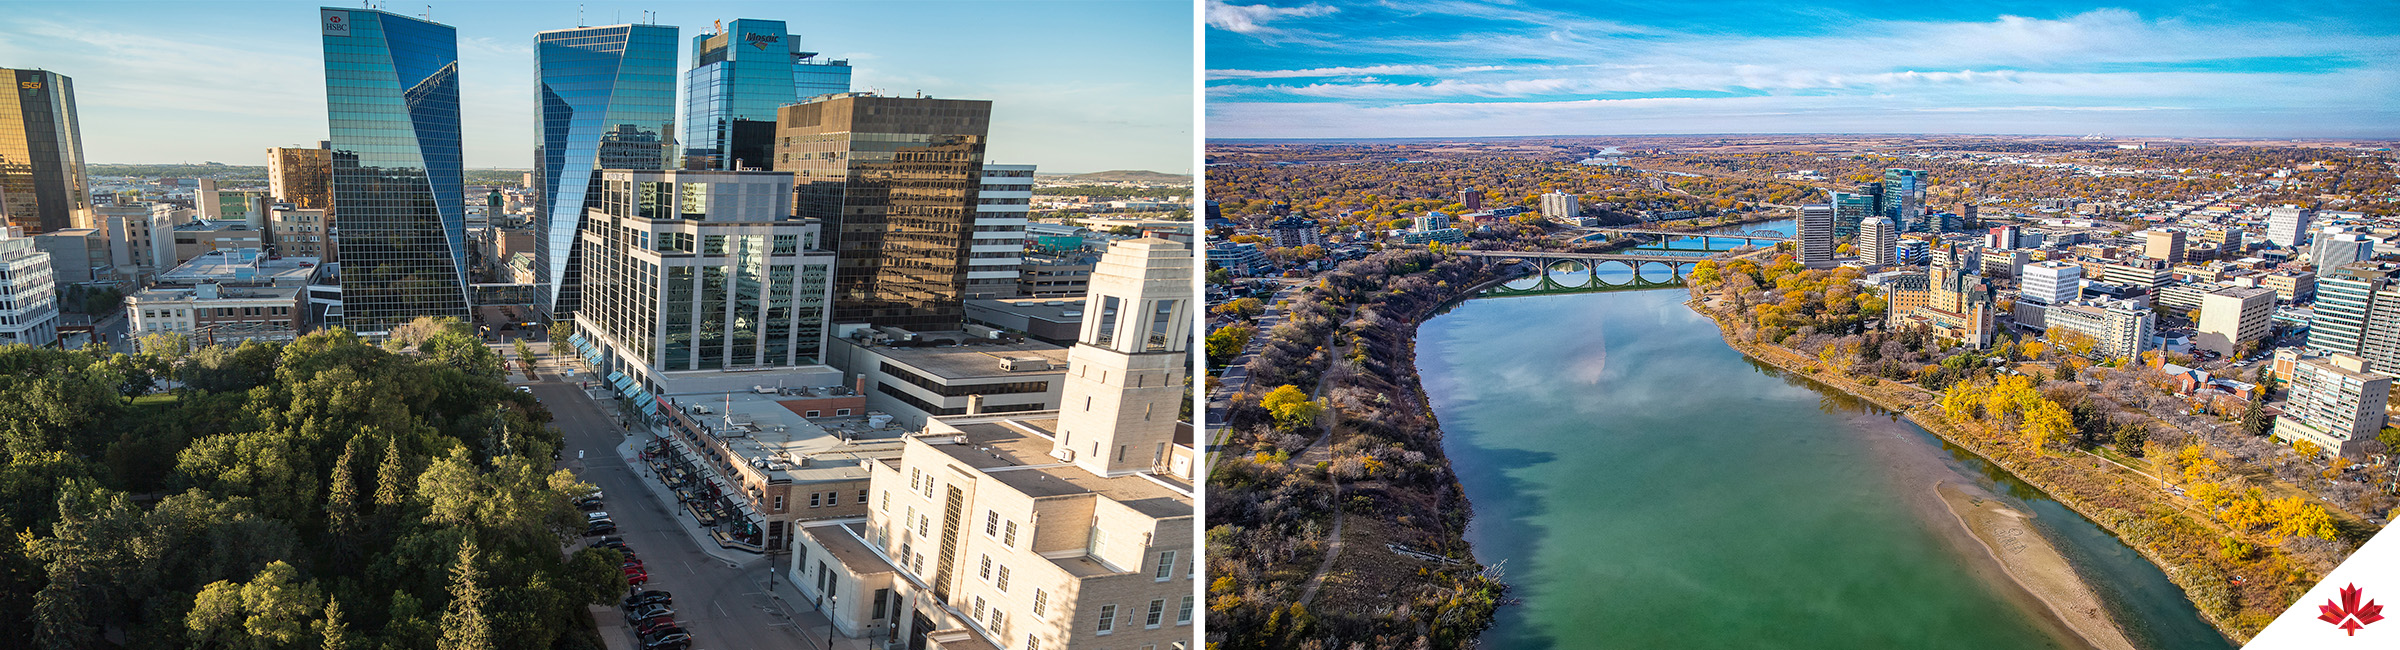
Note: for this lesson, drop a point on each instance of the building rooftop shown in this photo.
(1057, 310)
(978, 361)
(788, 448)
(285, 293)
(2244, 292)
(1016, 452)
(243, 266)
(844, 540)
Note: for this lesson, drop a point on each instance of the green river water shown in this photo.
(1647, 486)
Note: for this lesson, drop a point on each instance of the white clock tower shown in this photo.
(1125, 376)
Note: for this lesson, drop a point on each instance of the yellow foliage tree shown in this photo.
(1291, 407)
(2296, 517)
(2046, 423)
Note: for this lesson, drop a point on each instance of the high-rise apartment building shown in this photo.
(42, 182)
(1903, 199)
(28, 291)
(605, 98)
(2234, 316)
(2338, 246)
(2122, 327)
(2337, 402)
(1560, 205)
(997, 253)
(301, 177)
(1878, 242)
(895, 180)
(741, 74)
(2163, 245)
(2358, 313)
(1048, 529)
(699, 271)
(391, 93)
(1471, 198)
(2287, 226)
(1814, 234)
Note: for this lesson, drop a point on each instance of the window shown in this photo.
(812, 499)
(887, 501)
(978, 607)
(814, 413)
(1183, 613)
(1032, 642)
(915, 477)
(1166, 566)
(862, 497)
(991, 523)
(882, 595)
(841, 411)
(779, 503)
(924, 526)
(1158, 613)
(1008, 536)
(1108, 620)
(986, 571)
(1041, 602)
(999, 623)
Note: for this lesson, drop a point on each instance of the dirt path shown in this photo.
(1322, 451)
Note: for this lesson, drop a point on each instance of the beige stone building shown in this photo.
(1069, 528)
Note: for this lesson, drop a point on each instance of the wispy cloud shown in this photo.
(1403, 60)
(1253, 19)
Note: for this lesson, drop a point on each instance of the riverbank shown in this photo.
(2035, 565)
(2135, 513)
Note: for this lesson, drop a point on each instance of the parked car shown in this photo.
(600, 528)
(639, 614)
(675, 639)
(636, 577)
(657, 627)
(648, 597)
(611, 540)
(684, 644)
(595, 516)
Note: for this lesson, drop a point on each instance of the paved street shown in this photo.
(724, 605)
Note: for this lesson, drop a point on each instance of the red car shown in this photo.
(636, 576)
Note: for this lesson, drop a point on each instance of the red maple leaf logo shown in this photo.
(2348, 614)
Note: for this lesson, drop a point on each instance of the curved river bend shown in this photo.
(1649, 487)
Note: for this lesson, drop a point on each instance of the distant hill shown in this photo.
(1127, 176)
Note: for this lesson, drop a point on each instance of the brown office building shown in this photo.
(42, 183)
(301, 177)
(894, 180)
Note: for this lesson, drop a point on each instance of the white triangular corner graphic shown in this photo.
(2375, 571)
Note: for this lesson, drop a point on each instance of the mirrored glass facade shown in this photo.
(606, 101)
(391, 94)
(895, 180)
(42, 184)
(738, 79)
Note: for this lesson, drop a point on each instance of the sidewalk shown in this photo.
(736, 559)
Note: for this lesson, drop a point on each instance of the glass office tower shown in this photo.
(740, 74)
(896, 181)
(42, 185)
(391, 95)
(1903, 199)
(606, 101)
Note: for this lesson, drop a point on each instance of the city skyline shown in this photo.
(239, 72)
(1453, 69)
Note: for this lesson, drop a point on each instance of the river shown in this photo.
(1646, 486)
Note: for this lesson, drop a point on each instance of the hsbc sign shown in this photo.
(335, 21)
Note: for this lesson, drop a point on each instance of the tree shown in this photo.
(463, 624)
(1228, 342)
(524, 351)
(332, 629)
(2130, 438)
(1244, 308)
(1291, 407)
(2255, 420)
(425, 328)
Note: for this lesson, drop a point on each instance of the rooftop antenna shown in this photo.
(579, 16)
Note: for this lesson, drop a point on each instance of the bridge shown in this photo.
(1545, 262)
(1766, 235)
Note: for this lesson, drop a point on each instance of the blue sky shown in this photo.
(1077, 86)
(1439, 68)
